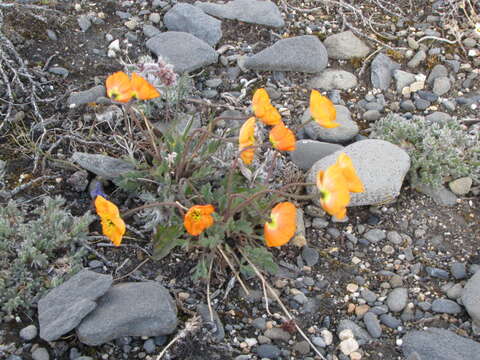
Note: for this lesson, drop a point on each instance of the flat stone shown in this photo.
(382, 69)
(62, 309)
(440, 344)
(84, 22)
(458, 270)
(441, 85)
(445, 306)
(440, 195)
(130, 309)
(191, 19)
(249, 11)
(301, 53)
(371, 115)
(397, 299)
(471, 297)
(268, 351)
(40, 353)
(345, 45)
(438, 71)
(381, 166)
(277, 334)
(86, 96)
(308, 152)
(310, 256)
(150, 31)
(347, 130)
(29, 333)
(219, 333)
(184, 51)
(360, 333)
(419, 57)
(372, 324)
(104, 166)
(375, 235)
(334, 79)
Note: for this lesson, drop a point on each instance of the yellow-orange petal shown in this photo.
(322, 110)
(271, 116)
(142, 89)
(113, 225)
(119, 87)
(263, 109)
(353, 181)
(198, 218)
(333, 188)
(282, 138)
(247, 139)
(282, 225)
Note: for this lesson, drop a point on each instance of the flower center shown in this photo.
(196, 215)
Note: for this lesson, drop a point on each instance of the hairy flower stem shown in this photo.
(152, 205)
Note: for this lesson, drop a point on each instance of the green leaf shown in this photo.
(129, 181)
(200, 270)
(166, 239)
(261, 257)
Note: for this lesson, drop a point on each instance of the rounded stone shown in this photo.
(29, 333)
(397, 299)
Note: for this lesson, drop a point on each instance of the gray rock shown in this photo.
(249, 11)
(403, 79)
(218, 330)
(310, 256)
(458, 270)
(62, 309)
(394, 237)
(455, 291)
(440, 195)
(441, 85)
(397, 299)
(191, 19)
(58, 70)
(471, 297)
(390, 321)
(440, 344)
(372, 324)
(149, 346)
(334, 79)
(382, 69)
(427, 95)
(347, 130)
(40, 353)
(277, 334)
(361, 335)
(308, 152)
(29, 333)
(260, 323)
(268, 351)
(461, 186)
(84, 22)
(104, 166)
(368, 295)
(87, 96)
(130, 309)
(150, 30)
(437, 273)
(370, 159)
(52, 35)
(184, 51)
(422, 104)
(445, 306)
(372, 115)
(420, 56)
(407, 105)
(345, 45)
(438, 71)
(375, 235)
(301, 53)
(154, 18)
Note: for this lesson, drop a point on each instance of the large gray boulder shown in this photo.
(191, 19)
(347, 130)
(381, 166)
(345, 45)
(440, 344)
(471, 297)
(249, 11)
(62, 309)
(130, 309)
(184, 51)
(301, 53)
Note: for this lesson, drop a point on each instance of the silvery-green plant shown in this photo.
(439, 150)
(37, 250)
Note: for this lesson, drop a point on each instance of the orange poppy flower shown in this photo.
(282, 225)
(263, 109)
(322, 110)
(198, 218)
(334, 194)
(113, 226)
(142, 89)
(119, 87)
(246, 139)
(354, 183)
(282, 138)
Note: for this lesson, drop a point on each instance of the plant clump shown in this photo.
(440, 151)
(37, 250)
